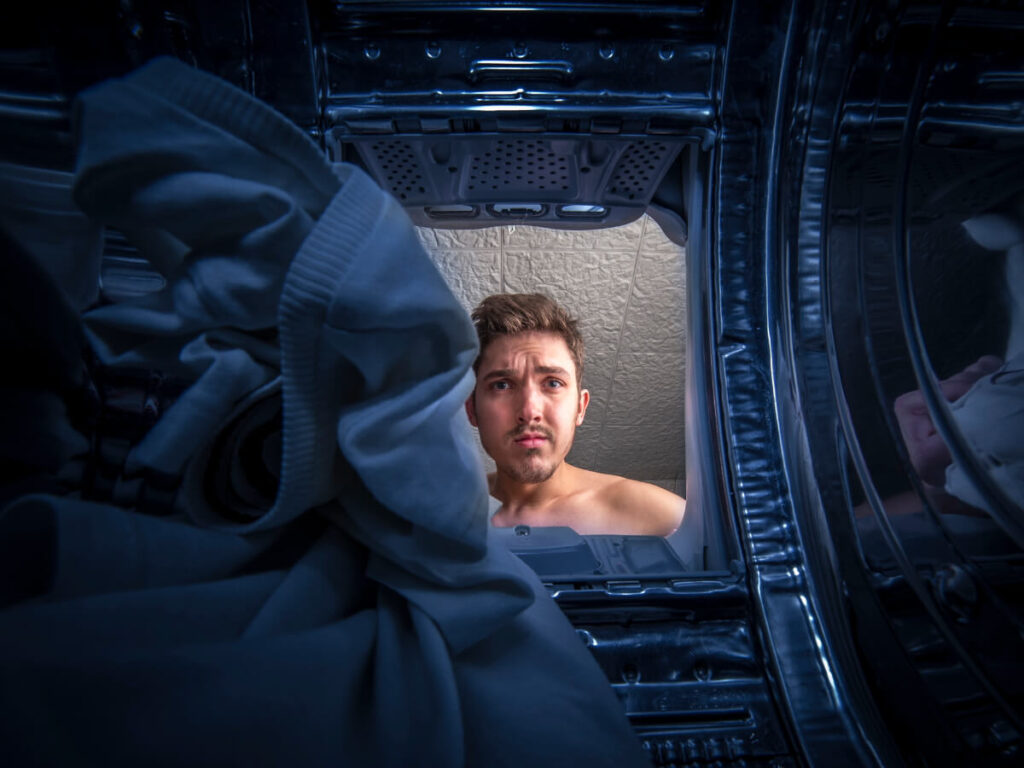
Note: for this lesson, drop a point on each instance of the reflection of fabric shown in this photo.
(1000, 233)
(991, 418)
(383, 628)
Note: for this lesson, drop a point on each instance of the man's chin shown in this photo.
(531, 472)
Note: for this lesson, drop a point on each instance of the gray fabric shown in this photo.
(365, 616)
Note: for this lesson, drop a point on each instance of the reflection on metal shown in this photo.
(918, 150)
(790, 561)
(1009, 514)
(586, 211)
(483, 69)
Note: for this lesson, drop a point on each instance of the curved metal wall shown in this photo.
(869, 167)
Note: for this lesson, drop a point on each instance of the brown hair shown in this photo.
(506, 314)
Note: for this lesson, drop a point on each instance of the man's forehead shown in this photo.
(539, 348)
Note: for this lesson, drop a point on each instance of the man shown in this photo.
(527, 404)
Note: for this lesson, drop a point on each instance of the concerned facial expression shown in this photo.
(527, 404)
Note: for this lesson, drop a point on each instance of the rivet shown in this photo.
(372, 52)
(433, 50)
(606, 51)
(666, 53)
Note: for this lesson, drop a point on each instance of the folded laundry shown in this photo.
(350, 607)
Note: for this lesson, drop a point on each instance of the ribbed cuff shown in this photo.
(321, 264)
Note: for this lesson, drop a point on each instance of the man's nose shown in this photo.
(530, 405)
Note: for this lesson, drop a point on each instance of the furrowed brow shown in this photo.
(552, 369)
(499, 373)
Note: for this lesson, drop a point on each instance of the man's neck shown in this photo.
(516, 496)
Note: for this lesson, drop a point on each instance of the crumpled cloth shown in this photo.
(364, 617)
(990, 416)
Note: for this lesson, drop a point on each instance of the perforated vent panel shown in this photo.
(539, 176)
(519, 163)
(640, 168)
(403, 174)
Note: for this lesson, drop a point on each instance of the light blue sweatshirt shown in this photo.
(364, 617)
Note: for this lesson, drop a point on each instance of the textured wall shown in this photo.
(626, 285)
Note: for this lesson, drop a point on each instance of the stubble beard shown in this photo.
(527, 471)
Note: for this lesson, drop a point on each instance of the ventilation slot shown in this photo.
(638, 169)
(519, 163)
(400, 169)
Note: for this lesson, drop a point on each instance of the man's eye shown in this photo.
(555, 383)
(500, 385)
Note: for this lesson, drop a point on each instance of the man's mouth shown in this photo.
(531, 440)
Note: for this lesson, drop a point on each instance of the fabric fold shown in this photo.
(365, 617)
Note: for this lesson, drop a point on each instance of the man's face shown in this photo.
(527, 404)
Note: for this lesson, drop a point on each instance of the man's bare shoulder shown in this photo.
(636, 507)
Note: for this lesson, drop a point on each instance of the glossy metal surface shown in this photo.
(686, 663)
(793, 583)
(881, 296)
(541, 107)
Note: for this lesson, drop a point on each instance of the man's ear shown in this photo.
(584, 402)
(471, 408)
